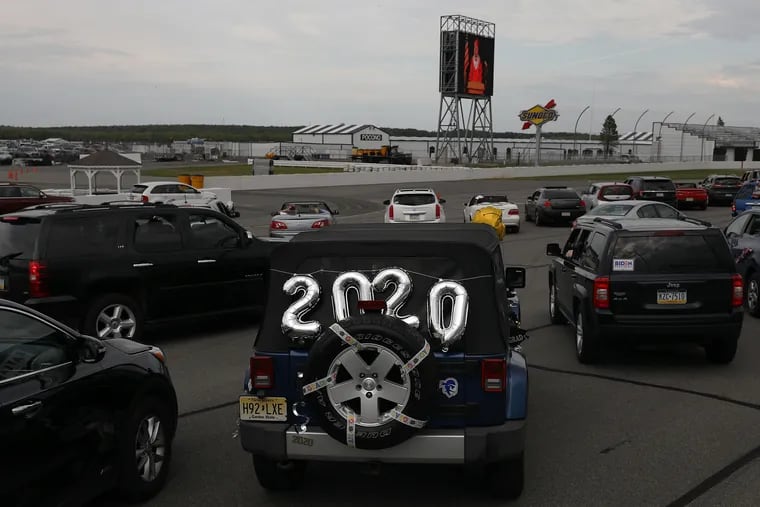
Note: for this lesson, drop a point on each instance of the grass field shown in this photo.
(684, 174)
(230, 170)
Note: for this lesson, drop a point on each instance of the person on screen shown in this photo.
(476, 71)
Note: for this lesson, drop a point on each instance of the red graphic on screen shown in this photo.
(475, 69)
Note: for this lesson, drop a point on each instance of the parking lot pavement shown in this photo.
(660, 427)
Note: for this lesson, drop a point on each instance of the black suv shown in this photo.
(647, 279)
(79, 416)
(554, 204)
(654, 188)
(108, 270)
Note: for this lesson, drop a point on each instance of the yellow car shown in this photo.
(490, 215)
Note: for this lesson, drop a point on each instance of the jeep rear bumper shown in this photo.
(433, 446)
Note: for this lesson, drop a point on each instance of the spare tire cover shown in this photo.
(375, 392)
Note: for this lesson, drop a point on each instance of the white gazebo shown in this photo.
(104, 161)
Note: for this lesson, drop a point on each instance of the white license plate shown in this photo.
(729, 195)
(253, 408)
(659, 194)
(689, 198)
(415, 218)
(565, 213)
(671, 297)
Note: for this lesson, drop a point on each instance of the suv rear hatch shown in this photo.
(564, 199)
(415, 207)
(658, 190)
(671, 274)
(19, 235)
(615, 193)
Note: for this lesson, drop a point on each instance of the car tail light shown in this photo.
(641, 193)
(38, 280)
(145, 198)
(575, 222)
(262, 372)
(437, 211)
(601, 297)
(733, 207)
(514, 211)
(737, 296)
(277, 225)
(582, 204)
(320, 223)
(390, 211)
(493, 374)
(547, 204)
(10, 219)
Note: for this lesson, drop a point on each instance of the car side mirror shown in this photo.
(43, 195)
(515, 278)
(442, 201)
(387, 202)
(91, 350)
(247, 238)
(553, 250)
(274, 213)
(530, 198)
(335, 212)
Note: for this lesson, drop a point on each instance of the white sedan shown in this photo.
(167, 191)
(510, 212)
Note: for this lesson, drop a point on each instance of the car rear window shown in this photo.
(616, 190)
(664, 254)
(615, 210)
(138, 189)
(414, 199)
(19, 235)
(728, 181)
(491, 198)
(561, 194)
(657, 185)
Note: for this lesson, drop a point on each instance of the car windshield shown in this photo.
(414, 199)
(491, 199)
(658, 185)
(664, 254)
(561, 194)
(612, 210)
(616, 190)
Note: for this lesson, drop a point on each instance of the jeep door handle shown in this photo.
(24, 409)
(142, 265)
(206, 261)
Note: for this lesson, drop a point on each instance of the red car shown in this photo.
(14, 197)
(691, 195)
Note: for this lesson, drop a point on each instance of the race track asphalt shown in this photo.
(649, 427)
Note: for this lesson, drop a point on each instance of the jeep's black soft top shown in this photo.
(467, 253)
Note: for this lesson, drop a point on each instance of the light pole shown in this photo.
(636, 130)
(683, 133)
(575, 131)
(704, 127)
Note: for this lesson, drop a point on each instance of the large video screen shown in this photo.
(475, 64)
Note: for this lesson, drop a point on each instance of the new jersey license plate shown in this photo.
(565, 213)
(253, 408)
(689, 199)
(671, 297)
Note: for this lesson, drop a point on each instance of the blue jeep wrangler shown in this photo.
(389, 344)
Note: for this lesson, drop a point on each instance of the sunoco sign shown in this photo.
(538, 115)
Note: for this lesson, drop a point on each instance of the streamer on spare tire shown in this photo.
(370, 381)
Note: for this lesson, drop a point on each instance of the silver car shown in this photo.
(295, 217)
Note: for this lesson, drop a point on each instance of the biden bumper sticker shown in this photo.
(622, 264)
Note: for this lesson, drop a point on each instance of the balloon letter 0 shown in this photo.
(460, 305)
(342, 285)
(292, 325)
(403, 287)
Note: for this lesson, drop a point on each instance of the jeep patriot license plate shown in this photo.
(671, 297)
(263, 409)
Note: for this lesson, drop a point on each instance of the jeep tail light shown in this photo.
(733, 207)
(390, 211)
(320, 223)
(582, 204)
(145, 198)
(514, 211)
(277, 225)
(601, 297)
(493, 374)
(437, 211)
(262, 372)
(38, 280)
(737, 296)
(547, 204)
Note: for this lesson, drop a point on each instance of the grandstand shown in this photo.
(676, 141)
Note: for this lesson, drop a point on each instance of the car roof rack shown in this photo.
(608, 222)
(56, 205)
(695, 221)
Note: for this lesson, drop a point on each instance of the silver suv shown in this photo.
(418, 205)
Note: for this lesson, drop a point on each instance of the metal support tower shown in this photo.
(462, 131)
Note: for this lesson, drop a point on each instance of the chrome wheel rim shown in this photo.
(150, 448)
(116, 321)
(370, 389)
(579, 334)
(753, 294)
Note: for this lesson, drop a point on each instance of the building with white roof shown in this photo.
(356, 135)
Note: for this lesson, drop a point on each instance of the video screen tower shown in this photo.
(466, 75)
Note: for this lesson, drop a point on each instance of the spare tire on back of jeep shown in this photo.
(370, 381)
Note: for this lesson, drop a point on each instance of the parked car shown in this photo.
(80, 416)
(598, 193)
(690, 195)
(166, 192)
(510, 212)
(743, 236)
(721, 189)
(748, 197)
(110, 270)
(227, 208)
(630, 209)
(653, 188)
(418, 205)
(295, 217)
(14, 197)
(751, 175)
(377, 381)
(554, 204)
(647, 281)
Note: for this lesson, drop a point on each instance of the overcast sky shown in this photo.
(288, 62)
